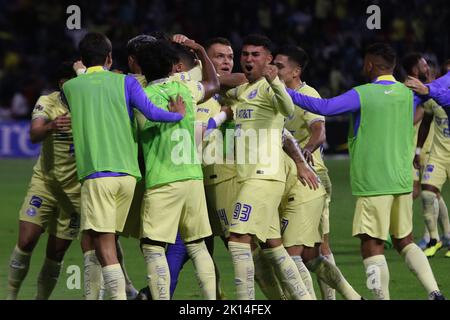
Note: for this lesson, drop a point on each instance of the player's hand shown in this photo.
(307, 176)
(62, 123)
(179, 38)
(191, 44)
(177, 105)
(308, 156)
(270, 72)
(417, 86)
(79, 67)
(228, 111)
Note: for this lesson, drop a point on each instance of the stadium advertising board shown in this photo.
(15, 140)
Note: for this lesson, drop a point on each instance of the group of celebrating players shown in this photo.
(182, 149)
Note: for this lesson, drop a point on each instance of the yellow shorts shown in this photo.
(379, 216)
(256, 209)
(220, 199)
(50, 207)
(178, 206)
(132, 226)
(105, 203)
(325, 219)
(436, 172)
(300, 222)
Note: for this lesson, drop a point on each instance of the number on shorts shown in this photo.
(237, 210)
(222, 216)
(242, 212)
(284, 224)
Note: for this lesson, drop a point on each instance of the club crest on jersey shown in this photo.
(31, 212)
(38, 108)
(430, 168)
(252, 94)
(36, 201)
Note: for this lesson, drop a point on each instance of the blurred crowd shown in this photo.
(34, 37)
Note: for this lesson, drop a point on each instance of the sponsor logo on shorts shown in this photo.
(252, 94)
(31, 212)
(36, 201)
(430, 168)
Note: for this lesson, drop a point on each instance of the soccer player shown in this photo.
(261, 106)
(380, 167)
(300, 212)
(106, 151)
(434, 207)
(52, 202)
(309, 131)
(174, 199)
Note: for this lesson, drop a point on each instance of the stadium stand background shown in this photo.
(34, 38)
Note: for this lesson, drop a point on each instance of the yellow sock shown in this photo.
(204, 268)
(114, 282)
(220, 295)
(18, 269)
(306, 276)
(158, 273)
(48, 277)
(326, 291)
(287, 273)
(331, 275)
(431, 212)
(377, 272)
(265, 277)
(418, 263)
(92, 276)
(244, 270)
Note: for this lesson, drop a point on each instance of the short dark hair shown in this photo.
(410, 60)
(184, 54)
(135, 43)
(63, 72)
(258, 40)
(94, 49)
(157, 59)
(296, 54)
(384, 51)
(159, 35)
(217, 40)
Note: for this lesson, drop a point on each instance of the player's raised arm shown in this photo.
(347, 102)
(282, 100)
(437, 90)
(210, 80)
(138, 99)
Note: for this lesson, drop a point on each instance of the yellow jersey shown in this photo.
(56, 162)
(299, 125)
(260, 111)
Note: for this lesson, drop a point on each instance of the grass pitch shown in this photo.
(14, 179)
